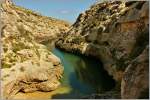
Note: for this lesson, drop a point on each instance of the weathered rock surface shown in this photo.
(115, 32)
(135, 80)
(29, 77)
(27, 64)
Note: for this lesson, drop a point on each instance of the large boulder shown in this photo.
(30, 76)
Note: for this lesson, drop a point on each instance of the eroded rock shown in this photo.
(27, 63)
(116, 32)
(30, 76)
(135, 80)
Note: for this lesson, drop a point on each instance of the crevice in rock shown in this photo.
(139, 5)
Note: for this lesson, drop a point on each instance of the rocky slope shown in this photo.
(27, 64)
(116, 33)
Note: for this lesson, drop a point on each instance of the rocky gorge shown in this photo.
(114, 32)
(27, 63)
(117, 33)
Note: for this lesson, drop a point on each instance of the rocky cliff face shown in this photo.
(135, 79)
(116, 33)
(27, 64)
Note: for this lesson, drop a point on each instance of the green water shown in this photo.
(83, 75)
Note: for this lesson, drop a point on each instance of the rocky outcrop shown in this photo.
(44, 29)
(115, 32)
(30, 76)
(27, 64)
(135, 80)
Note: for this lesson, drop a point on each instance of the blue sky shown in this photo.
(62, 9)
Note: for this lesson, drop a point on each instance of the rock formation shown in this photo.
(27, 64)
(135, 79)
(117, 33)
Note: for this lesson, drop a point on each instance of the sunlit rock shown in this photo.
(27, 63)
(116, 32)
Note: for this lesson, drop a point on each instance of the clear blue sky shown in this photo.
(62, 9)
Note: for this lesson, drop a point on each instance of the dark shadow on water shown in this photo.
(91, 71)
(85, 75)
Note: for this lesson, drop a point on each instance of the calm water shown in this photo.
(82, 75)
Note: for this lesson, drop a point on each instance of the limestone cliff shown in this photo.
(27, 64)
(116, 32)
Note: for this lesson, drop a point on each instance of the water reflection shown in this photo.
(84, 75)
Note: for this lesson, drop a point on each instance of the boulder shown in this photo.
(30, 76)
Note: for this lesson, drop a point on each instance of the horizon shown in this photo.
(56, 8)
